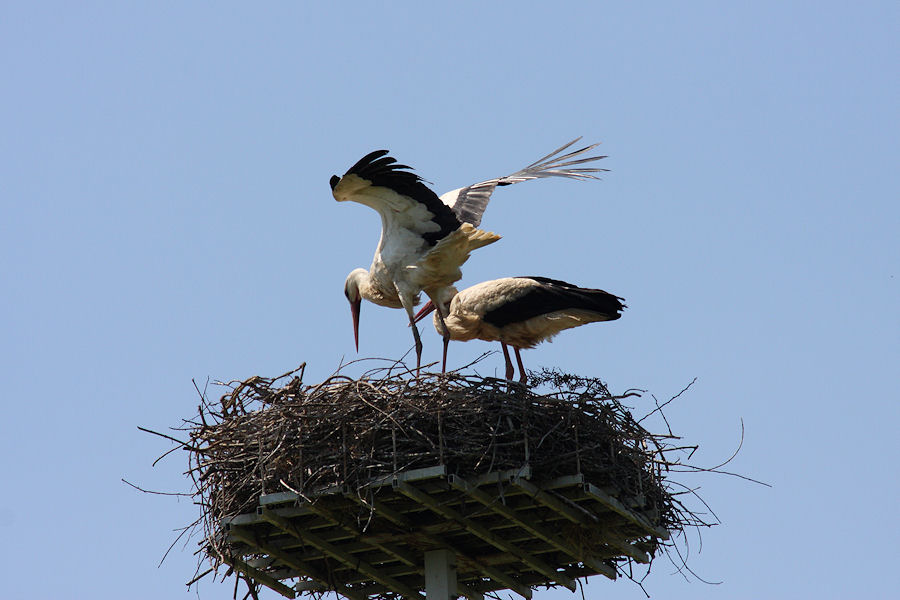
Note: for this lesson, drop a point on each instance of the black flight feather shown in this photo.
(554, 295)
(384, 171)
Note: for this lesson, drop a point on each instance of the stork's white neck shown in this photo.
(368, 287)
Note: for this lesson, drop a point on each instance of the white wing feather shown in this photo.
(469, 203)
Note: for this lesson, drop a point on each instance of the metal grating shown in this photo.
(504, 530)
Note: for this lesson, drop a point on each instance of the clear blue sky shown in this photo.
(166, 215)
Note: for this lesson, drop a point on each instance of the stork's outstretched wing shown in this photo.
(469, 203)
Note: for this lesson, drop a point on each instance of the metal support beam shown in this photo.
(351, 561)
(381, 510)
(389, 549)
(500, 476)
(254, 518)
(258, 576)
(617, 507)
(533, 528)
(410, 475)
(445, 511)
(562, 482)
(580, 515)
(440, 575)
(405, 524)
(247, 536)
(561, 505)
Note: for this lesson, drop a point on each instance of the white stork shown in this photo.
(425, 238)
(521, 312)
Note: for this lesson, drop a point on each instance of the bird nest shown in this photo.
(266, 436)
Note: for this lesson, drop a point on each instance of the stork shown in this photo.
(425, 239)
(521, 312)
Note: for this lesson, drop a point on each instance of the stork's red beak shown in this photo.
(354, 310)
(426, 310)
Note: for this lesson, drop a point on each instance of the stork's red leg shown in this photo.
(509, 367)
(446, 336)
(522, 376)
(418, 340)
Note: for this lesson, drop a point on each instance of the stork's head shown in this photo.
(354, 297)
(348, 187)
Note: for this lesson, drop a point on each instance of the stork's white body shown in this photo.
(466, 321)
(404, 264)
(523, 312)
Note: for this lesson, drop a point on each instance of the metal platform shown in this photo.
(455, 536)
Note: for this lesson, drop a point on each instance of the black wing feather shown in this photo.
(553, 295)
(472, 201)
(384, 171)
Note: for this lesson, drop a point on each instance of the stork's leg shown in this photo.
(522, 376)
(415, 331)
(509, 368)
(446, 336)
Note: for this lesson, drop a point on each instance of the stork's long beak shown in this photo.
(354, 310)
(426, 310)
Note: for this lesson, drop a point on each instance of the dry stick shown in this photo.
(440, 437)
(169, 437)
(525, 430)
(394, 446)
(300, 445)
(140, 489)
(200, 576)
(577, 449)
(659, 406)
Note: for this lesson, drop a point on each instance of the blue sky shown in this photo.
(167, 216)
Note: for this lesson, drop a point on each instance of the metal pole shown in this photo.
(440, 575)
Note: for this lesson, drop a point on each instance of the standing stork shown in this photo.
(425, 239)
(521, 312)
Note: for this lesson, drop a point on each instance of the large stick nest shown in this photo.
(266, 436)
